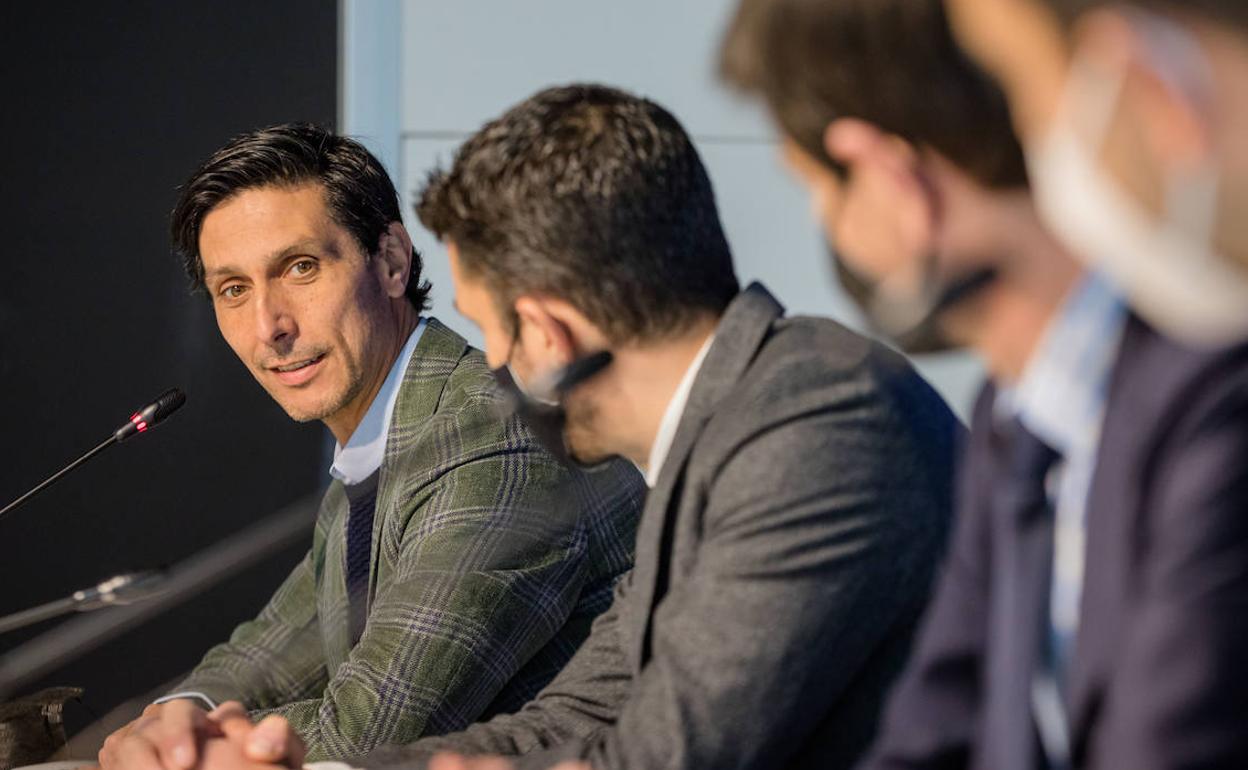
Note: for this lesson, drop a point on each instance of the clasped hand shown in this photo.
(180, 735)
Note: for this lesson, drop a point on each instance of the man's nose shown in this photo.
(275, 323)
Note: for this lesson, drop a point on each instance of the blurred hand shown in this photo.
(447, 761)
(166, 737)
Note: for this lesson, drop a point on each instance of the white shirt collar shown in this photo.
(671, 416)
(366, 448)
(1061, 394)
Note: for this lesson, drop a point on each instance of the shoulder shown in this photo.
(1175, 393)
(817, 370)
(450, 416)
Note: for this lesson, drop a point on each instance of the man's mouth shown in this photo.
(298, 372)
(298, 364)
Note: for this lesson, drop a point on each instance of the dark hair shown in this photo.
(892, 63)
(592, 195)
(358, 191)
(1229, 11)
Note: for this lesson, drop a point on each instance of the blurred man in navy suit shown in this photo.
(1090, 612)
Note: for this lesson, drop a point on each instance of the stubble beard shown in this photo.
(583, 433)
(331, 403)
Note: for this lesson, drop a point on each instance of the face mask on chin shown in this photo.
(912, 323)
(542, 409)
(1169, 270)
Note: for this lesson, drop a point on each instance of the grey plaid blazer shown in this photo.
(490, 561)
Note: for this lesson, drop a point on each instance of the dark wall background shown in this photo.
(107, 107)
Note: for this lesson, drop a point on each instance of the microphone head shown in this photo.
(169, 402)
(165, 404)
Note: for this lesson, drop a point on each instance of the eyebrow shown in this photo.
(304, 246)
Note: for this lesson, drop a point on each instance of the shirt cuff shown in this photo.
(328, 766)
(193, 696)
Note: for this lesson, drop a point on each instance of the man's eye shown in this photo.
(233, 291)
(303, 267)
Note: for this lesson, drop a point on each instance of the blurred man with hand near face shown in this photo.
(455, 565)
(1134, 115)
(1088, 615)
(800, 474)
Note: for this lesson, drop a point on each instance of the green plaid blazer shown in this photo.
(490, 560)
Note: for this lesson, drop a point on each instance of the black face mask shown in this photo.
(912, 325)
(547, 419)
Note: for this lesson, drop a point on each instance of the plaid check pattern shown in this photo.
(489, 562)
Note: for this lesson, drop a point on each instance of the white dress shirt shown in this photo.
(671, 416)
(366, 448)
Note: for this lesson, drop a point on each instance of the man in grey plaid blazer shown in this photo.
(455, 566)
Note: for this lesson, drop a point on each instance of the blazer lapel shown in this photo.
(436, 355)
(741, 331)
(1113, 519)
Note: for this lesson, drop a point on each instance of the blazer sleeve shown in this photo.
(273, 659)
(820, 531)
(1180, 693)
(582, 700)
(933, 712)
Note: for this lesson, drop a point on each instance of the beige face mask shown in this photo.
(1169, 269)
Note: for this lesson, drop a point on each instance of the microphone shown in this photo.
(152, 414)
(184, 580)
(116, 591)
(143, 419)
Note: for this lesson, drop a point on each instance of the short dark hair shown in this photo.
(892, 63)
(358, 191)
(1229, 11)
(592, 195)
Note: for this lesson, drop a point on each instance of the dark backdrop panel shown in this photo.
(107, 107)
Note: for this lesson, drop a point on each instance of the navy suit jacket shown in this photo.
(1159, 677)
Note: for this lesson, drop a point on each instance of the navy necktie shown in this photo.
(1026, 518)
(362, 501)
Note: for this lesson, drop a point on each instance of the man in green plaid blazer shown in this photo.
(454, 576)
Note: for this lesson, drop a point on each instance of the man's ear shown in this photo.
(546, 340)
(854, 143)
(888, 207)
(394, 259)
(553, 332)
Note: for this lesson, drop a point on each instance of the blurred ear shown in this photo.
(394, 259)
(888, 208)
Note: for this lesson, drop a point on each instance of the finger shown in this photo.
(136, 752)
(107, 754)
(182, 725)
(274, 740)
(228, 709)
(448, 761)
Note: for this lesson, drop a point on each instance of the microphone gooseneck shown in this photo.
(143, 419)
(116, 591)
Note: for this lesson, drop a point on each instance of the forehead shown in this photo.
(261, 221)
